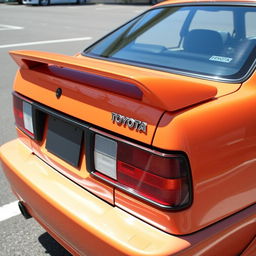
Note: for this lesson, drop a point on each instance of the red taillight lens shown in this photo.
(158, 189)
(159, 178)
(162, 166)
(23, 115)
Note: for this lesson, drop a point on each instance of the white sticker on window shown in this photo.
(221, 59)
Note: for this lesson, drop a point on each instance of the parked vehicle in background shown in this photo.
(12, 1)
(144, 143)
(48, 2)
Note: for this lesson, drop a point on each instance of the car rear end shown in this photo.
(110, 156)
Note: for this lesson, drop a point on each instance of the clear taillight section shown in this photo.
(159, 178)
(23, 115)
(105, 156)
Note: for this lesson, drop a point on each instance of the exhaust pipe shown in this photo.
(24, 210)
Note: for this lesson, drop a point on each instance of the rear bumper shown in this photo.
(86, 225)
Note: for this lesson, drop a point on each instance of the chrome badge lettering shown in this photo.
(130, 122)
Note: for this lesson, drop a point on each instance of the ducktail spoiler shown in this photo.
(155, 88)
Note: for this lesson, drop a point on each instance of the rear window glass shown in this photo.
(215, 41)
(250, 26)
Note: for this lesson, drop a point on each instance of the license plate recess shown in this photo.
(64, 140)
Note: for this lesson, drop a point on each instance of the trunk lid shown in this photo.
(158, 89)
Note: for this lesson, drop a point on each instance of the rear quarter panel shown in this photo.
(219, 138)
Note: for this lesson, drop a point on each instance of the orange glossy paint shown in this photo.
(251, 249)
(87, 218)
(175, 132)
(193, 90)
(93, 227)
(200, 1)
(221, 155)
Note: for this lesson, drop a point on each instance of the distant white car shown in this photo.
(48, 2)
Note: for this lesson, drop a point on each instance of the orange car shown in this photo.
(145, 143)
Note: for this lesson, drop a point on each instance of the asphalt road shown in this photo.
(27, 24)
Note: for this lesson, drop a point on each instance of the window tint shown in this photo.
(165, 33)
(250, 18)
(221, 20)
(214, 41)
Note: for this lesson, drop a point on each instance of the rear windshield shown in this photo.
(213, 41)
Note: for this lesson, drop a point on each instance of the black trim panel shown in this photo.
(64, 140)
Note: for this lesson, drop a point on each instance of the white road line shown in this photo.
(139, 11)
(9, 210)
(9, 27)
(107, 8)
(45, 42)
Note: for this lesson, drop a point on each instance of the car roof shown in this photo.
(168, 2)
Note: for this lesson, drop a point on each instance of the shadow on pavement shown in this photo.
(52, 247)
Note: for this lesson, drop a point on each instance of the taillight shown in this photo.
(159, 178)
(23, 115)
(28, 118)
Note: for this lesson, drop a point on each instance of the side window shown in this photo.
(250, 24)
(221, 21)
(166, 33)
